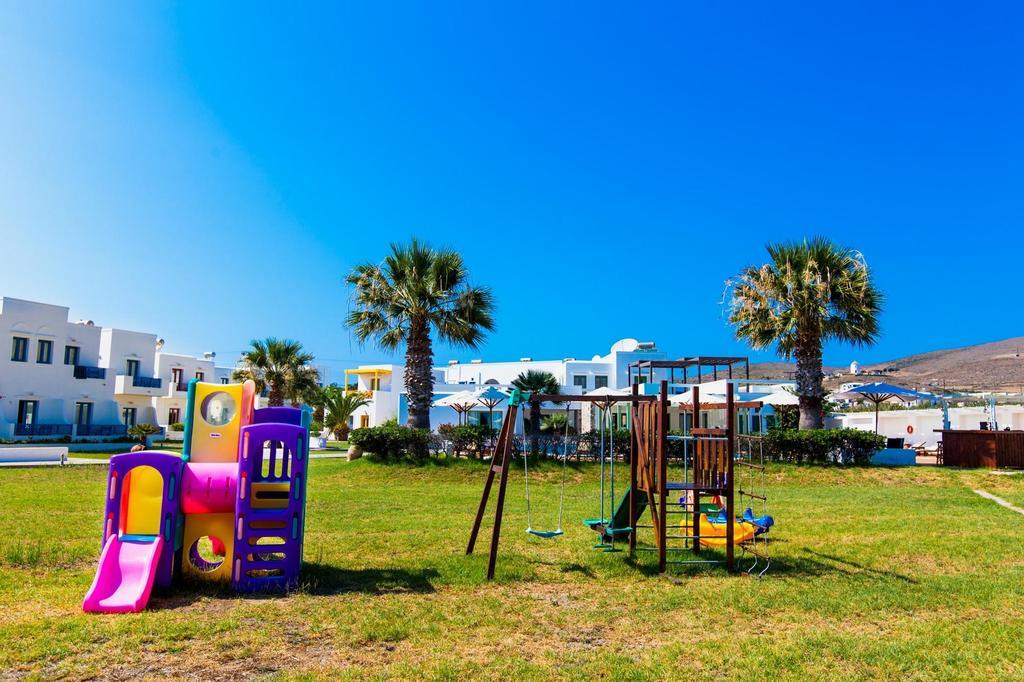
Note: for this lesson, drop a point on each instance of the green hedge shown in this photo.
(176, 426)
(393, 443)
(822, 446)
(590, 442)
(468, 439)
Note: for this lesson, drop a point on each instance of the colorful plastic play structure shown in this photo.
(718, 470)
(230, 508)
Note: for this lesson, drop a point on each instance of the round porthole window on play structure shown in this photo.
(207, 553)
(218, 409)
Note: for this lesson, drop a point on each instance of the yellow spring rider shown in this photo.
(713, 528)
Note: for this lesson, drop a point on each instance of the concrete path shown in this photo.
(1000, 501)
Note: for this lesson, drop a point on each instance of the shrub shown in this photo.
(392, 443)
(316, 428)
(470, 439)
(822, 446)
(176, 426)
(143, 431)
(677, 449)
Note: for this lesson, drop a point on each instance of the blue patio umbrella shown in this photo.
(878, 393)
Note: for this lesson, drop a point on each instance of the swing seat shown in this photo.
(546, 534)
(595, 523)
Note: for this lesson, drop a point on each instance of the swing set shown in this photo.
(709, 476)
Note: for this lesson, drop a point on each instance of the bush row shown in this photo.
(393, 443)
(822, 446)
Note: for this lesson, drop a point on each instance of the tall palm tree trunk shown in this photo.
(275, 398)
(808, 379)
(419, 375)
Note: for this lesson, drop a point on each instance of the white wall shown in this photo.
(500, 372)
(117, 346)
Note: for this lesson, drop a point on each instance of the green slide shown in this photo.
(620, 519)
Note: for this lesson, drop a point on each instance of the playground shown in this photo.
(876, 572)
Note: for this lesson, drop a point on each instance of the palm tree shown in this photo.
(810, 292)
(415, 292)
(338, 408)
(142, 431)
(536, 381)
(556, 424)
(272, 363)
(302, 386)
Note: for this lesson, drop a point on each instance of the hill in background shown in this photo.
(995, 366)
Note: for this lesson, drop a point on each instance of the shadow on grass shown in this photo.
(316, 579)
(586, 571)
(812, 565)
(324, 579)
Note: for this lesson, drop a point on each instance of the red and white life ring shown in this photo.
(910, 429)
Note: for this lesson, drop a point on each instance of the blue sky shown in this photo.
(211, 173)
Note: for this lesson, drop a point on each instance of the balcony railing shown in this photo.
(147, 382)
(42, 429)
(368, 395)
(101, 430)
(83, 372)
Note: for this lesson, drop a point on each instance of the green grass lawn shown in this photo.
(878, 573)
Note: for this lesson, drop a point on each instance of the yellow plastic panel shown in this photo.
(145, 492)
(214, 526)
(219, 411)
(270, 495)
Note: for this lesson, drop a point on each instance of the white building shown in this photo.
(921, 425)
(63, 378)
(384, 385)
(174, 372)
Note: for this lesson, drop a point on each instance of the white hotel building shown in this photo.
(60, 378)
(384, 385)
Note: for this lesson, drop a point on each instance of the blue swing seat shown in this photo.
(546, 534)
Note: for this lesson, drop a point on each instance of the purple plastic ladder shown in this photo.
(270, 453)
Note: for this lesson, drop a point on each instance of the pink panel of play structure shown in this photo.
(209, 488)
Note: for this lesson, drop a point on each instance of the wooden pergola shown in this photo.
(686, 365)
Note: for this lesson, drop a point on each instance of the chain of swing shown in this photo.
(561, 496)
(606, 456)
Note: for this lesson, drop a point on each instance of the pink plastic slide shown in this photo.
(124, 578)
